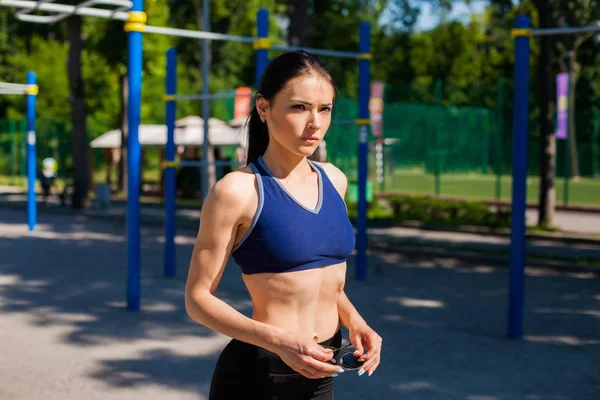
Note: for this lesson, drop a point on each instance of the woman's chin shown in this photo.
(306, 151)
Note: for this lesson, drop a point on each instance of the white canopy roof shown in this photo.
(189, 131)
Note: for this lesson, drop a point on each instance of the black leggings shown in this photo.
(253, 373)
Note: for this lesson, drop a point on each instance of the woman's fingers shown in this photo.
(320, 369)
(372, 359)
(320, 353)
(372, 363)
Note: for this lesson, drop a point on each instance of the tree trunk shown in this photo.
(78, 114)
(297, 32)
(547, 199)
(122, 178)
(205, 46)
(572, 134)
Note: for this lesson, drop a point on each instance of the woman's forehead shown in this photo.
(309, 88)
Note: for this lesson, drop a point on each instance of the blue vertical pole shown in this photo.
(170, 105)
(262, 53)
(134, 70)
(520, 136)
(363, 149)
(31, 153)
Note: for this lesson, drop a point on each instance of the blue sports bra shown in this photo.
(286, 236)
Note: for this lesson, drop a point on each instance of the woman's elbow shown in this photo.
(194, 304)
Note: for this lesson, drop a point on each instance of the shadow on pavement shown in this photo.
(443, 321)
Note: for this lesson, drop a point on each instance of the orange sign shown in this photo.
(241, 105)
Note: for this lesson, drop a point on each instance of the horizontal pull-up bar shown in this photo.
(174, 164)
(64, 9)
(18, 88)
(347, 122)
(24, 14)
(187, 33)
(210, 96)
(555, 31)
(320, 52)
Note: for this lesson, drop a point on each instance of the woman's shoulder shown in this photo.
(236, 188)
(335, 175)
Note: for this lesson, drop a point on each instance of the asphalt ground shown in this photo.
(65, 332)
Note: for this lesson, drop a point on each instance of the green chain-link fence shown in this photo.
(436, 141)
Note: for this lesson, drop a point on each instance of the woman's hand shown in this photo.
(306, 357)
(362, 336)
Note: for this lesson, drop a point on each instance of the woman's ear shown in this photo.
(262, 105)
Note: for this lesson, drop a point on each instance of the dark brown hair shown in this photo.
(277, 74)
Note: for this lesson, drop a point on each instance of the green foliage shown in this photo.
(468, 57)
(434, 211)
(47, 58)
(376, 210)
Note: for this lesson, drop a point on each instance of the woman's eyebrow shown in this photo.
(308, 103)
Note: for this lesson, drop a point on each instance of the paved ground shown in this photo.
(570, 221)
(64, 332)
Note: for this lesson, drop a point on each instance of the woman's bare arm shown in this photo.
(361, 335)
(222, 213)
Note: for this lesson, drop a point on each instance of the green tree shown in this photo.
(574, 13)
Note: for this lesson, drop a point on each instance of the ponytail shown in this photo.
(258, 137)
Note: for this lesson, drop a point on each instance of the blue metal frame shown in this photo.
(170, 113)
(31, 99)
(262, 55)
(134, 150)
(363, 151)
(519, 189)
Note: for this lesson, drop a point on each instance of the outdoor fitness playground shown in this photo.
(472, 300)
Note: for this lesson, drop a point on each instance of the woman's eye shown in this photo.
(298, 107)
(326, 109)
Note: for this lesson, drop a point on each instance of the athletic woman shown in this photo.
(284, 220)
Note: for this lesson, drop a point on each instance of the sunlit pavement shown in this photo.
(65, 332)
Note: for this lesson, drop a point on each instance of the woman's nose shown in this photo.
(314, 122)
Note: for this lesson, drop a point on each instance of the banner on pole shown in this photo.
(241, 105)
(376, 109)
(562, 106)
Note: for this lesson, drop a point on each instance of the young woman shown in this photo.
(284, 220)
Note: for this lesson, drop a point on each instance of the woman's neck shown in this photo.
(285, 164)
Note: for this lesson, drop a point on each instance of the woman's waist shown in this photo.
(319, 324)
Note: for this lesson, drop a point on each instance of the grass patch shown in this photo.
(477, 186)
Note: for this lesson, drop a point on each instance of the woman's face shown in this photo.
(300, 114)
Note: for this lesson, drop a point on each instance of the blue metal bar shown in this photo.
(262, 55)
(170, 112)
(31, 99)
(134, 70)
(520, 129)
(363, 149)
